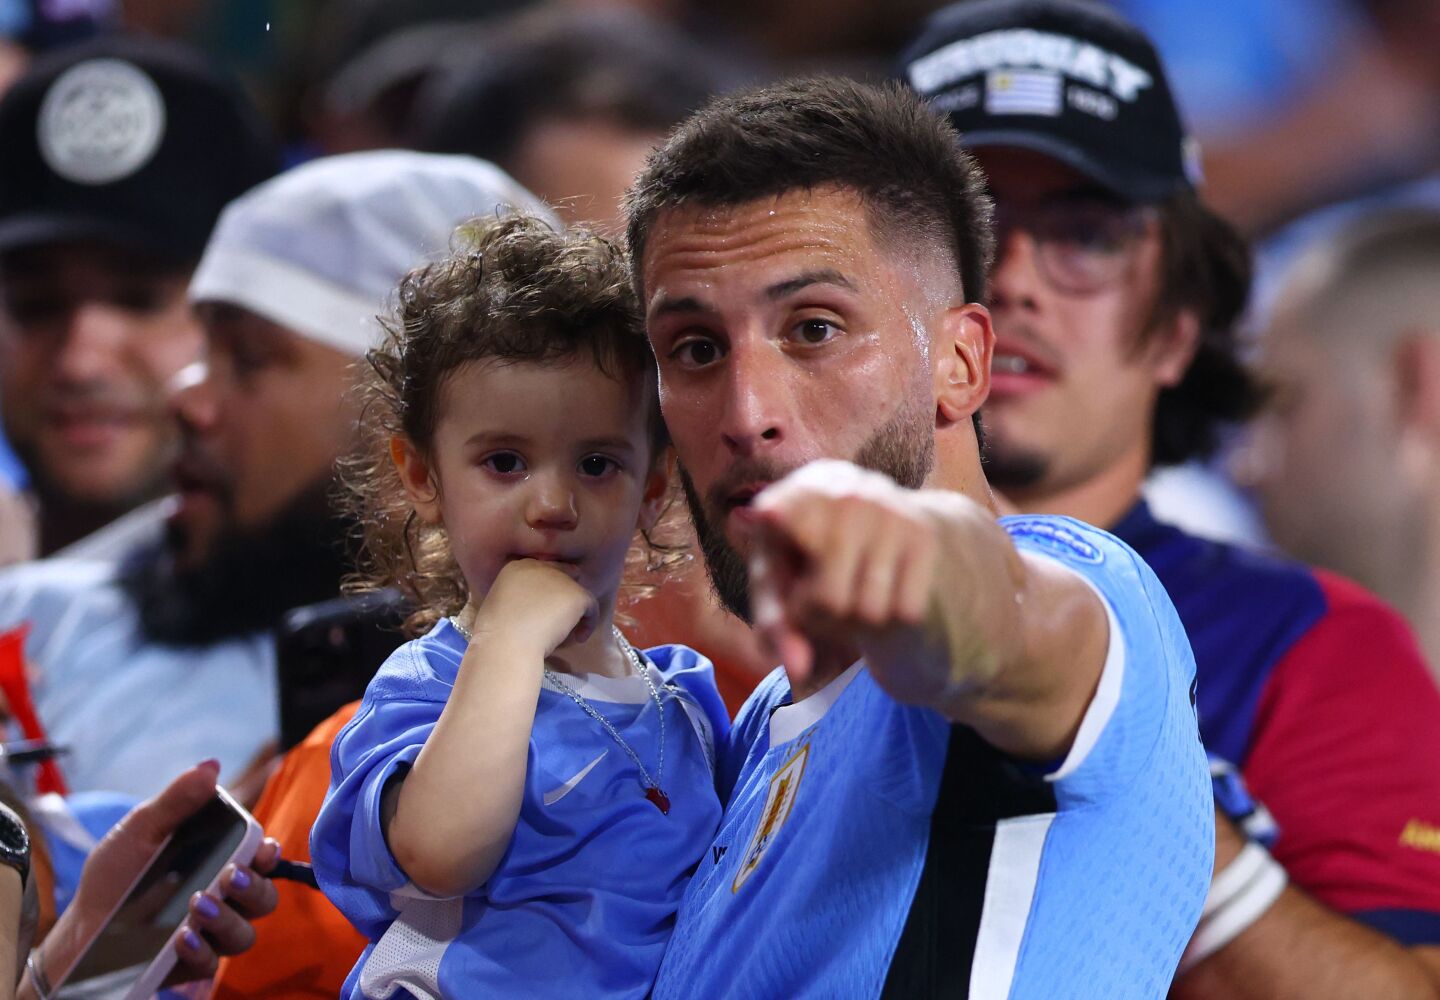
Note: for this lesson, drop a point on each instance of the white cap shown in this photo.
(321, 248)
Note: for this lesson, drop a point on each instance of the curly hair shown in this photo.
(513, 290)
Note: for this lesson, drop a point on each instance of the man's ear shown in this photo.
(657, 489)
(1171, 348)
(962, 362)
(416, 476)
(1415, 374)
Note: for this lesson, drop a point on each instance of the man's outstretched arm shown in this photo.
(931, 590)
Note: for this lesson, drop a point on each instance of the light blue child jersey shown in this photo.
(873, 849)
(584, 900)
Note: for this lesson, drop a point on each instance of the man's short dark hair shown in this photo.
(1205, 267)
(881, 141)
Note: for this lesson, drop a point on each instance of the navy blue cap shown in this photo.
(1068, 78)
(135, 142)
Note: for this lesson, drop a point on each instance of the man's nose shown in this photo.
(1016, 277)
(193, 397)
(753, 420)
(91, 344)
(551, 505)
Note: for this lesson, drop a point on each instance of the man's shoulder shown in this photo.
(1237, 575)
(44, 587)
(1066, 539)
(1106, 562)
(754, 715)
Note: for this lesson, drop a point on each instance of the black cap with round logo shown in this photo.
(129, 141)
(1067, 78)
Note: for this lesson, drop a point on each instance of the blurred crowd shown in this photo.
(205, 204)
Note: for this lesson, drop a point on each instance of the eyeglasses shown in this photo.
(1082, 245)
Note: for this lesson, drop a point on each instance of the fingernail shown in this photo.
(240, 879)
(210, 765)
(206, 906)
(192, 941)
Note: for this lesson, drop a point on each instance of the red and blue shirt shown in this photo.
(1317, 691)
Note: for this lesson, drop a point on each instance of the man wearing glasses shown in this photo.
(1114, 296)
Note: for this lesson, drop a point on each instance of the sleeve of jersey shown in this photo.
(1141, 721)
(1346, 755)
(352, 860)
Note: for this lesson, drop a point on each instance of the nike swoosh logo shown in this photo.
(554, 796)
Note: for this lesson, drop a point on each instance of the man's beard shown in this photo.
(903, 449)
(1010, 468)
(247, 581)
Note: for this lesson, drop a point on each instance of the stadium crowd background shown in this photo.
(1305, 111)
(1318, 124)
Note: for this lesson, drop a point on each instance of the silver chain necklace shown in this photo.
(653, 791)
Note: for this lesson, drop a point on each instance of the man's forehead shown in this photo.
(824, 210)
(47, 259)
(807, 228)
(227, 324)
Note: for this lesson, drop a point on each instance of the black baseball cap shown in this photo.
(1068, 78)
(131, 141)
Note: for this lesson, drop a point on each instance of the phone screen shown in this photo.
(158, 902)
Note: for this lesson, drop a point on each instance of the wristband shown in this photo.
(1239, 895)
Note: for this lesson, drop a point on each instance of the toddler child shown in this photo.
(522, 796)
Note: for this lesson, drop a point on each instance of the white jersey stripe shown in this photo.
(1009, 892)
(1107, 696)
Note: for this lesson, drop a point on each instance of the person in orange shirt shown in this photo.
(306, 947)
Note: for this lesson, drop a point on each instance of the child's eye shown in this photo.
(506, 463)
(698, 352)
(597, 466)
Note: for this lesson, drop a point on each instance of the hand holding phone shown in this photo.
(136, 886)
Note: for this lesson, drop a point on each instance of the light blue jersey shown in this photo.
(584, 900)
(873, 849)
(97, 673)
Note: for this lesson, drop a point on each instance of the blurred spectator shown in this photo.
(287, 290)
(17, 514)
(373, 61)
(570, 102)
(116, 157)
(1347, 457)
(372, 101)
(31, 27)
(1301, 102)
(859, 36)
(1114, 298)
(17, 527)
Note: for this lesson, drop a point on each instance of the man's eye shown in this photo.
(597, 466)
(247, 363)
(816, 331)
(697, 353)
(141, 299)
(33, 310)
(506, 463)
(1096, 231)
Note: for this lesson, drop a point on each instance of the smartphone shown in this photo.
(132, 952)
